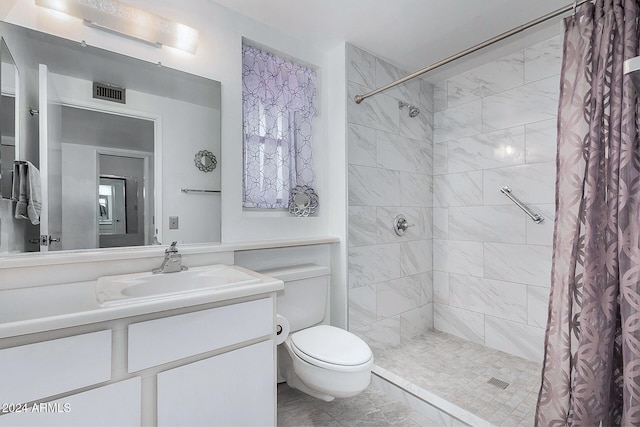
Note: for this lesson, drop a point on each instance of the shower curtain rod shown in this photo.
(359, 98)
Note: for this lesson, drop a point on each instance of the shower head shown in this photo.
(413, 111)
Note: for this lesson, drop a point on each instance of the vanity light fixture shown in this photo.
(123, 19)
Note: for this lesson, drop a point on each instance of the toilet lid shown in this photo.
(332, 345)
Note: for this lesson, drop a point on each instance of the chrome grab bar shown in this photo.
(537, 218)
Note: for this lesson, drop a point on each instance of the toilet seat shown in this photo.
(331, 348)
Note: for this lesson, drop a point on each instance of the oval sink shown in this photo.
(130, 288)
(185, 282)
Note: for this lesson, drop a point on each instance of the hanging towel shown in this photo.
(19, 193)
(34, 194)
(27, 192)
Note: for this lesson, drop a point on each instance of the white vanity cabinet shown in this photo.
(235, 385)
(112, 405)
(164, 340)
(38, 370)
(209, 364)
(233, 389)
(34, 372)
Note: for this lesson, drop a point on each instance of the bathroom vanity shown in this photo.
(204, 357)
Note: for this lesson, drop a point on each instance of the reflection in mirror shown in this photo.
(205, 161)
(125, 177)
(124, 148)
(112, 194)
(8, 79)
(301, 200)
(7, 143)
(146, 144)
(12, 236)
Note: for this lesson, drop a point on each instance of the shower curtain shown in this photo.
(591, 372)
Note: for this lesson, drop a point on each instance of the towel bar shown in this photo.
(190, 190)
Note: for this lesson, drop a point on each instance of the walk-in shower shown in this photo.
(458, 303)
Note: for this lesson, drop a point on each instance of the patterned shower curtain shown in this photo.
(591, 372)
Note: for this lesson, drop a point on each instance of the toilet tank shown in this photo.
(303, 300)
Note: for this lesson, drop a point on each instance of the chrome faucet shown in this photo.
(172, 262)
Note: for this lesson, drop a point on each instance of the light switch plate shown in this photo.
(173, 223)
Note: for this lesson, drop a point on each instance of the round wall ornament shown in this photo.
(205, 160)
(303, 200)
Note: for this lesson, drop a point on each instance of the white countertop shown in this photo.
(31, 310)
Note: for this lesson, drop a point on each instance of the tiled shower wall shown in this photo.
(495, 125)
(390, 162)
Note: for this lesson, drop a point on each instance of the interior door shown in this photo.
(50, 126)
(113, 192)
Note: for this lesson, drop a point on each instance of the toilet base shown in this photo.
(295, 382)
(287, 374)
(324, 381)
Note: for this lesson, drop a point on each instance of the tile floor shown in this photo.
(433, 364)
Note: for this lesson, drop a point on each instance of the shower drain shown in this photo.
(498, 383)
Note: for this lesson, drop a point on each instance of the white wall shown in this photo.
(336, 81)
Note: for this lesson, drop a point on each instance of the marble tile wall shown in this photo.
(390, 173)
(495, 125)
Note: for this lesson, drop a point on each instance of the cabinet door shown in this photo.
(234, 388)
(112, 405)
(159, 341)
(36, 371)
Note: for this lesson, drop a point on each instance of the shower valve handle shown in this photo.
(400, 225)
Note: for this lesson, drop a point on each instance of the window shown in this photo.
(278, 109)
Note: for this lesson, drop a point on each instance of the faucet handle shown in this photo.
(400, 225)
(172, 249)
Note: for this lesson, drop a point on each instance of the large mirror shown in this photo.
(114, 139)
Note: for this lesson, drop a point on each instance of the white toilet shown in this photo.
(321, 360)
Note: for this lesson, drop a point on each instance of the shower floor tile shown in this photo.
(458, 371)
(370, 408)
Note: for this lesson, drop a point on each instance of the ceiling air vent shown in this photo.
(109, 92)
